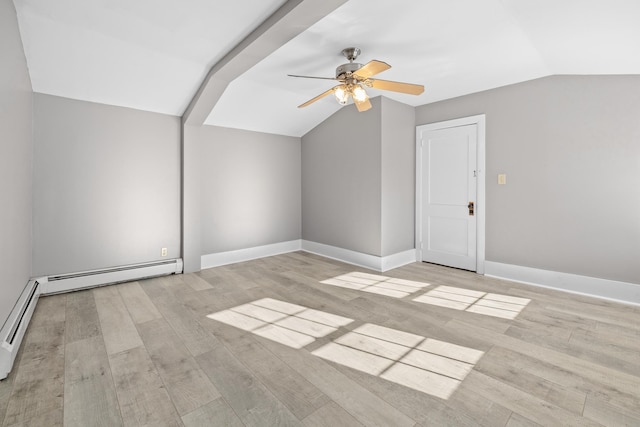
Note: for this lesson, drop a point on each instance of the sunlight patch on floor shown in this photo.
(424, 364)
(374, 283)
(490, 304)
(289, 324)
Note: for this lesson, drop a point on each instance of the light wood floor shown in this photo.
(145, 353)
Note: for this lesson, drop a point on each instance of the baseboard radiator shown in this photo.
(14, 328)
(89, 279)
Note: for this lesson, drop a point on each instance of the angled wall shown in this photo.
(341, 181)
(358, 181)
(16, 154)
(249, 189)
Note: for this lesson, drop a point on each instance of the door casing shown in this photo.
(479, 121)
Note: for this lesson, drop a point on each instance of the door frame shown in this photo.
(479, 121)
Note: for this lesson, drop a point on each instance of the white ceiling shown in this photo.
(153, 55)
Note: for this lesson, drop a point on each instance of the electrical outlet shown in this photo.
(165, 252)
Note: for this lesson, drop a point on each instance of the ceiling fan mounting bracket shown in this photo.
(351, 53)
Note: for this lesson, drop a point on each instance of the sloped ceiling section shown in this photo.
(146, 54)
(154, 55)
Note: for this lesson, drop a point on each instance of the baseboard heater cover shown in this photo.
(89, 279)
(14, 328)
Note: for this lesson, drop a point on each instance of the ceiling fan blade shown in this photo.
(312, 77)
(322, 95)
(371, 68)
(408, 88)
(362, 105)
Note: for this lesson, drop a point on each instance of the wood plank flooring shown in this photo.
(146, 354)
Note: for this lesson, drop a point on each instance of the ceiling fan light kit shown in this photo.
(341, 95)
(354, 77)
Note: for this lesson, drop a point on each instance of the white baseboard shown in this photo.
(358, 258)
(390, 262)
(240, 255)
(624, 292)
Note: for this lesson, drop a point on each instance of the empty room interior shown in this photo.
(319, 213)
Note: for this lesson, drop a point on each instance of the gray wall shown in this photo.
(570, 146)
(341, 181)
(398, 176)
(250, 189)
(16, 153)
(358, 179)
(106, 186)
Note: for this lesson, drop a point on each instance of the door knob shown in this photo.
(470, 206)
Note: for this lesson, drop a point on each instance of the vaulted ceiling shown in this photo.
(154, 55)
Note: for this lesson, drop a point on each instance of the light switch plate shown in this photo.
(502, 178)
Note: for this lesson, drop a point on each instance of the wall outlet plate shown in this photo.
(164, 252)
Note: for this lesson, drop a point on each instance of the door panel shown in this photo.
(449, 182)
(449, 235)
(448, 163)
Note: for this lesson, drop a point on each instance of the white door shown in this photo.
(449, 189)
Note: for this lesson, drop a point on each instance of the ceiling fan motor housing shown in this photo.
(350, 67)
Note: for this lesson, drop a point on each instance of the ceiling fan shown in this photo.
(354, 77)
